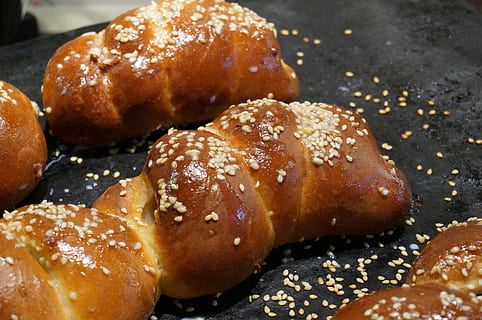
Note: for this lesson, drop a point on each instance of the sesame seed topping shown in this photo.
(237, 241)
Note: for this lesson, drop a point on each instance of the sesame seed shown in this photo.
(9, 260)
(237, 241)
(386, 146)
(349, 74)
(384, 191)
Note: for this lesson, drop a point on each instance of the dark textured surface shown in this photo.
(431, 49)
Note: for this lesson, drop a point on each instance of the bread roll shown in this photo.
(263, 173)
(23, 150)
(453, 258)
(173, 62)
(73, 263)
(429, 301)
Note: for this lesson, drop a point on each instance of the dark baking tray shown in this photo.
(428, 49)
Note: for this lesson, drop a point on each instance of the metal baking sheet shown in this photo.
(425, 54)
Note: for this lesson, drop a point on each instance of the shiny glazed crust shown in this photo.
(429, 301)
(70, 262)
(23, 150)
(168, 63)
(216, 200)
(453, 258)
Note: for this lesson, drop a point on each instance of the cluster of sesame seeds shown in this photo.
(400, 307)
(166, 200)
(20, 224)
(209, 18)
(452, 262)
(319, 129)
(221, 159)
(5, 94)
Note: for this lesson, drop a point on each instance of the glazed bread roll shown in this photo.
(215, 201)
(23, 150)
(429, 301)
(67, 262)
(168, 63)
(453, 258)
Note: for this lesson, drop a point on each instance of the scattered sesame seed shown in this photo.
(349, 74)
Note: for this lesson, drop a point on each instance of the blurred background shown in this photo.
(24, 19)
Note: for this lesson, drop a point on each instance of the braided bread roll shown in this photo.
(216, 200)
(23, 149)
(428, 301)
(167, 63)
(453, 258)
(68, 262)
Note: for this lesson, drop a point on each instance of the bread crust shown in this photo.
(429, 301)
(174, 62)
(23, 149)
(453, 258)
(71, 262)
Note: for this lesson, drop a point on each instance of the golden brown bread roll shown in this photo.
(429, 301)
(167, 63)
(23, 150)
(216, 200)
(453, 258)
(73, 263)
